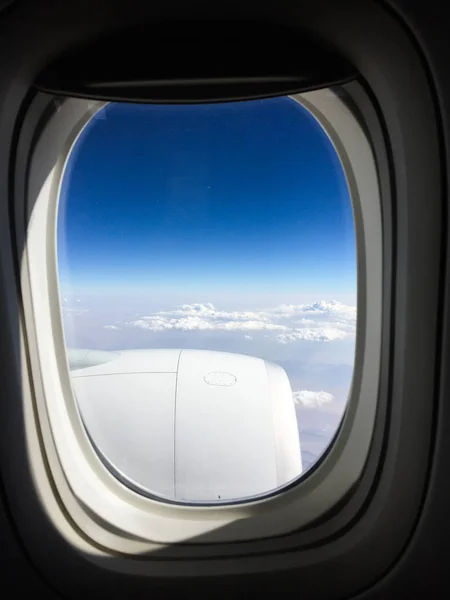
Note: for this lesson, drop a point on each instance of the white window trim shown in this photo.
(106, 511)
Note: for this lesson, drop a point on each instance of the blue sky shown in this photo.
(247, 195)
(223, 227)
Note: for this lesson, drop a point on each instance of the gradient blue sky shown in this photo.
(247, 195)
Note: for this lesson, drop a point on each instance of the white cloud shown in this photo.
(304, 321)
(158, 323)
(310, 399)
(317, 334)
(111, 327)
(67, 310)
(323, 321)
(330, 308)
(207, 311)
(248, 337)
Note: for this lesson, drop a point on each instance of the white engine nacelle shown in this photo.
(190, 425)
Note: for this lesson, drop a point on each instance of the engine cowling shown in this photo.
(189, 425)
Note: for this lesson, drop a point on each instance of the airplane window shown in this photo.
(207, 277)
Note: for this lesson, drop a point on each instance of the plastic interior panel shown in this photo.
(192, 66)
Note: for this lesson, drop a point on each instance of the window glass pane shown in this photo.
(207, 273)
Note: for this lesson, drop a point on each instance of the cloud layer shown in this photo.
(319, 322)
(312, 399)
